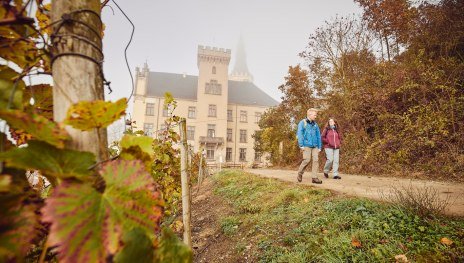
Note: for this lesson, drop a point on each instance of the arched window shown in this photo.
(214, 70)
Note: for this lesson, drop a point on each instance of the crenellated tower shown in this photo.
(212, 96)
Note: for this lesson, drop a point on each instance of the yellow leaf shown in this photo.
(446, 241)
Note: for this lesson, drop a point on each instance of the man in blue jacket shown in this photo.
(309, 140)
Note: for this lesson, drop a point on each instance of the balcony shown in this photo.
(211, 140)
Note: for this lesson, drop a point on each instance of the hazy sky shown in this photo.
(168, 32)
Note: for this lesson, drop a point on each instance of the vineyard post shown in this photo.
(77, 67)
(186, 212)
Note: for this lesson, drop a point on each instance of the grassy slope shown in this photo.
(282, 222)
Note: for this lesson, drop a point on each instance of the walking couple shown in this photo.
(311, 142)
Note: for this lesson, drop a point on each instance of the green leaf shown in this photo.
(51, 161)
(19, 221)
(144, 142)
(88, 225)
(7, 83)
(137, 148)
(137, 245)
(171, 249)
(39, 127)
(87, 115)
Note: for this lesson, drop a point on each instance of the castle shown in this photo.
(222, 111)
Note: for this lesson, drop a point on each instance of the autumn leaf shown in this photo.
(88, 225)
(19, 221)
(446, 241)
(401, 258)
(51, 161)
(39, 127)
(42, 94)
(43, 17)
(87, 115)
(356, 243)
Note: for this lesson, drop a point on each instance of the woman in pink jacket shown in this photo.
(332, 139)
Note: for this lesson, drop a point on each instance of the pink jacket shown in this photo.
(331, 138)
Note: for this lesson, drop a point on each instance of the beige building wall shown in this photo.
(213, 65)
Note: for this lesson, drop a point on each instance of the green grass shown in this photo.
(295, 223)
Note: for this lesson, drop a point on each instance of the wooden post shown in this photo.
(200, 171)
(76, 67)
(185, 184)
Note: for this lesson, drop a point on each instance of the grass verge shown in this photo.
(276, 221)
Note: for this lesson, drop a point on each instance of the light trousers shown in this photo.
(308, 154)
(333, 160)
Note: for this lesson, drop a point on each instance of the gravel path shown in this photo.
(373, 186)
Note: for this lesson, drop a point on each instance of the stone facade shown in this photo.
(221, 114)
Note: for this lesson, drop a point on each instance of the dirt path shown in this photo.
(373, 186)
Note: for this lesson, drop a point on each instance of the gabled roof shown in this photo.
(185, 87)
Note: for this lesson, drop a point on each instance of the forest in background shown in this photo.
(393, 79)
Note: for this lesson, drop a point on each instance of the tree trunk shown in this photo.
(388, 47)
(77, 68)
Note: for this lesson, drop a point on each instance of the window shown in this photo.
(165, 113)
(211, 130)
(190, 132)
(228, 154)
(212, 110)
(242, 154)
(229, 115)
(243, 116)
(210, 152)
(192, 112)
(229, 135)
(150, 109)
(214, 70)
(148, 129)
(257, 157)
(243, 136)
(213, 87)
(257, 117)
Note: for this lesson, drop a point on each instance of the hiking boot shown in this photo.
(299, 178)
(326, 175)
(316, 181)
(337, 177)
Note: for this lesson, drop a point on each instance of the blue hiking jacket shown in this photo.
(308, 134)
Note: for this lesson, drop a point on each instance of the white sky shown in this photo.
(168, 32)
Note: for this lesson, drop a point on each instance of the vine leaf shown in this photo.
(171, 249)
(51, 161)
(38, 126)
(19, 221)
(88, 225)
(43, 100)
(137, 148)
(7, 83)
(43, 18)
(137, 245)
(87, 115)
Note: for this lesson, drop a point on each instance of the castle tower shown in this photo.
(139, 95)
(240, 71)
(212, 98)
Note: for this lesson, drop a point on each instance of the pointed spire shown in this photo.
(240, 71)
